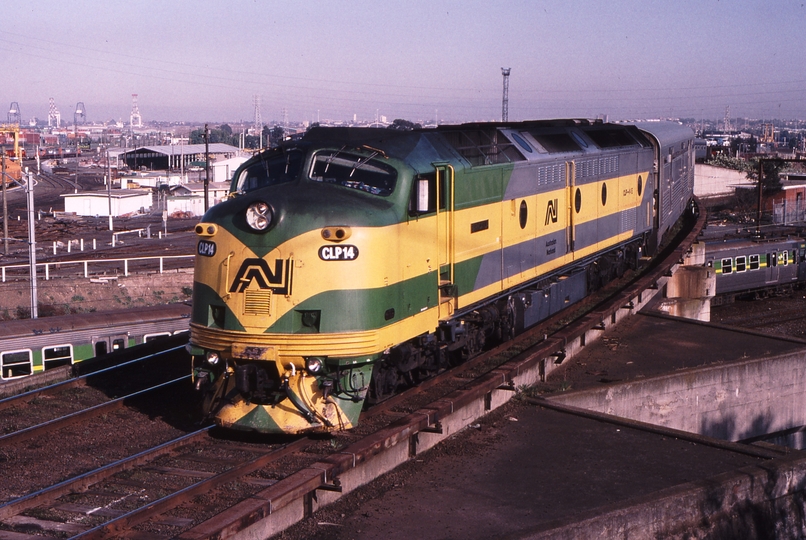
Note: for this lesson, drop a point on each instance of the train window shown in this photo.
(578, 200)
(59, 355)
(15, 364)
(741, 263)
(783, 257)
(772, 259)
(354, 171)
(119, 343)
(753, 262)
(424, 196)
(152, 337)
(727, 266)
(604, 194)
(100, 348)
(276, 167)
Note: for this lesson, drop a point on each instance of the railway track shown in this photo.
(194, 484)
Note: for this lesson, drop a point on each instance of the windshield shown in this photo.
(354, 171)
(273, 168)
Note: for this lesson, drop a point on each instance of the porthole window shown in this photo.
(604, 194)
(640, 185)
(578, 201)
(523, 214)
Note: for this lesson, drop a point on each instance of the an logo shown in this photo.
(278, 280)
(338, 253)
(551, 212)
(205, 248)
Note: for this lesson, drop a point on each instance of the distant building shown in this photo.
(97, 203)
(176, 157)
(189, 198)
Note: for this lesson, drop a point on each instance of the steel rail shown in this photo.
(83, 481)
(113, 528)
(74, 382)
(72, 418)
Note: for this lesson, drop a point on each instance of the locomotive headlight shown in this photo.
(213, 358)
(313, 365)
(258, 216)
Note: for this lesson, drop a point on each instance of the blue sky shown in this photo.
(204, 60)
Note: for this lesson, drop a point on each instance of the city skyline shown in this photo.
(204, 61)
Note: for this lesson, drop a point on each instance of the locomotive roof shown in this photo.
(482, 143)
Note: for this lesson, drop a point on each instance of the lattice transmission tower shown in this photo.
(505, 101)
(258, 119)
(14, 116)
(135, 120)
(80, 116)
(54, 117)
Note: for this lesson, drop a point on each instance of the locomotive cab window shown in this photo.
(741, 263)
(15, 364)
(364, 173)
(60, 355)
(727, 266)
(753, 261)
(424, 195)
(277, 167)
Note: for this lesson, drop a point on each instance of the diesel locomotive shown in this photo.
(356, 261)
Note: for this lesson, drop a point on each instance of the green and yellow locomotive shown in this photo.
(356, 261)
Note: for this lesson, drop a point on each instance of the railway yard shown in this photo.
(95, 458)
(125, 453)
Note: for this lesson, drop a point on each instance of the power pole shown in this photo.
(5, 204)
(29, 190)
(206, 167)
(505, 101)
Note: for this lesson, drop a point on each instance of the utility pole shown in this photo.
(505, 101)
(5, 205)
(206, 167)
(29, 190)
(108, 180)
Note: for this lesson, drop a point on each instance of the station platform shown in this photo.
(638, 436)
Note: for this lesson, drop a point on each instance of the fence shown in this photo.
(100, 267)
(783, 213)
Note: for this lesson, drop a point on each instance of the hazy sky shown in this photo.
(204, 60)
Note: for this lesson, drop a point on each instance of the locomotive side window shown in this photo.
(277, 168)
(753, 262)
(741, 263)
(60, 355)
(15, 364)
(424, 195)
(353, 171)
(727, 266)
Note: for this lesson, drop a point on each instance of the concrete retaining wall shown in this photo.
(763, 501)
(730, 402)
